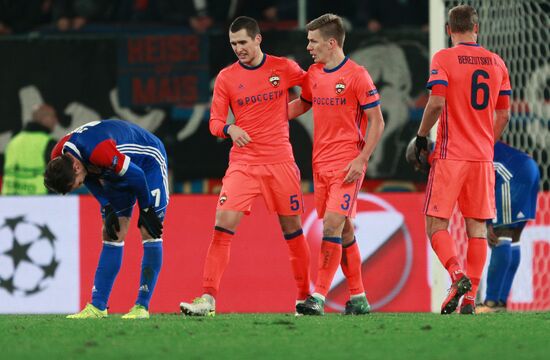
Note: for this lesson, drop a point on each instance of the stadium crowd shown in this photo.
(19, 17)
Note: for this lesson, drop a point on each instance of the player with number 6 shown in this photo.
(468, 84)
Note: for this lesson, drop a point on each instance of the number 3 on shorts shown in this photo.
(345, 204)
(294, 202)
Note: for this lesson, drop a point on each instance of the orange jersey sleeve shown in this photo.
(505, 92)
(365, 91)
(219, 108)
(438, 74)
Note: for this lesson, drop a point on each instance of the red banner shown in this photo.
(389, 229)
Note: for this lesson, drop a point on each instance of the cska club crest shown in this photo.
(340, 87)
(274, 79)
(223, 198)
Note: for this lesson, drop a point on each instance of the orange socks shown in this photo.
(329, 260)
(298, 252)
(445, 249)
(475, 262)
(217, 259)
(351, 266)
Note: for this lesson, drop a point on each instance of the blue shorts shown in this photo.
(156, 174)
(516, 193)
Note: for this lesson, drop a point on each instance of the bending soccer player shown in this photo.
(516, 189)
(261, 160)
(468, 83)
(119, 163)
(343, 97)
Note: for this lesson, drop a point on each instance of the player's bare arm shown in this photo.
(501, 121)
(358, 165)
(297, 107)
(431, 114)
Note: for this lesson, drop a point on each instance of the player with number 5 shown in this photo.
(261, 162)
(468, 84)
(119, 163)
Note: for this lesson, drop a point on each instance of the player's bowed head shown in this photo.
(64, 174)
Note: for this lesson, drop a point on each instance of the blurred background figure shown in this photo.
(192, 13)
(393, 14)
(74, 14)
(348, 10)
(18, 16)
(28, 153)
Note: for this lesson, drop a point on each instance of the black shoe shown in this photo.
(468, 309)
(312, 306)
(458, 288)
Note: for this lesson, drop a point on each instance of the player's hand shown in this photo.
(492, 238)
(421, 148)
(355, 169)
(112, 226)
(238, 135)
(151, 222)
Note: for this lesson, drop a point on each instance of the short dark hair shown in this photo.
(330, 26)
(59, 175)
(462, 18)
(244, 22)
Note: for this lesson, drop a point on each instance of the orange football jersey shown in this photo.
(339, 97)
(258, 98)
(475, 78)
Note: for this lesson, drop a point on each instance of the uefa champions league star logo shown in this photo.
(28, 260)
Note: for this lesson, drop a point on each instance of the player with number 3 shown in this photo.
(343, 98)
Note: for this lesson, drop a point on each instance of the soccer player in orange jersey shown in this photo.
(343, 97)
(468, 84)
(261, 160)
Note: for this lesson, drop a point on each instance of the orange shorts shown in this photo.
(472, 183)
(279, 184)
(332, 194)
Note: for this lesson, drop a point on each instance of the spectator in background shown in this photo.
(185, 12)
(393, 14)
(263, 10)
(136, 11)
(74, 14)
(347, 10)
(28, 153)
(224, 12)
(18, 16)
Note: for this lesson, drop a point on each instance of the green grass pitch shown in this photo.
(279, 336)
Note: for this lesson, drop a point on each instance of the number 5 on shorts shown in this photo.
(294, 203)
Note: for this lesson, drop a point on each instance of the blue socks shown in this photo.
(504, 263)
(109, 265)
(150, 269)
(498, 267)
(110, 261)
(512, 269)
